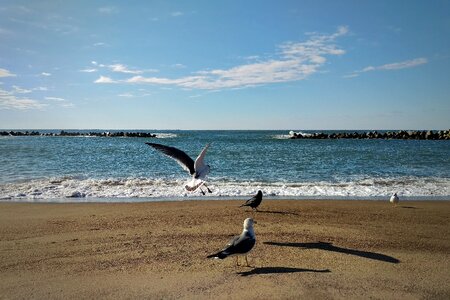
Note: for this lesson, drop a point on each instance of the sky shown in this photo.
(225, 65)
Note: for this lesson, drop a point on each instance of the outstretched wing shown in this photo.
(200, 160)
(181, 157)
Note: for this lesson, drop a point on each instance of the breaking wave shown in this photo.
(75, 189)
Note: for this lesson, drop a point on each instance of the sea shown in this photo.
(125, 169)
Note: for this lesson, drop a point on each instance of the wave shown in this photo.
(165, 135)
(121, 188)
(290, 135)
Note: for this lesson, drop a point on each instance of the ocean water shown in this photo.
(38, 168)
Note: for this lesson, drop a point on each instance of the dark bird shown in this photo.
(240, 244)
(198, 169)
(254, 202)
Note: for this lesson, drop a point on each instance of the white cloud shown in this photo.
(99, 44)
(87, 70)
(108, 10)
(19, 90)
(178, 66)
(404, 64)
(126, 95)
(104, 79)
(46, 74)
(55, 99)
(177, 14)
(40, 88)
(60, 101)
(296, 61)
(6, 73)
(392, 66)
(4, 31)
(9, 101)
(123, 69)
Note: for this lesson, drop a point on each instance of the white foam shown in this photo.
(165, 135)
(70, 188)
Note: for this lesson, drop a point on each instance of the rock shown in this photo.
(76, 194)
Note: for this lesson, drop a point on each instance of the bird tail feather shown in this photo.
(218, 255)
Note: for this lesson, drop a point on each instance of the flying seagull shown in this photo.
(197, 169)
(240, 244)
(254, 202)
(394, 198)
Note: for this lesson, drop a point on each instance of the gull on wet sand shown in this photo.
(198, 168)
(254, 202)
(239, 245)
(394, 198)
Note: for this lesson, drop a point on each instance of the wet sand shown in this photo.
(305, 249)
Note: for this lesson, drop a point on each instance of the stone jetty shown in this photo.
(397, 135)
(72, 133)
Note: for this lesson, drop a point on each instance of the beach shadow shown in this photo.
(331, 247)
(410, 207)
(278, 212)
(279, 270)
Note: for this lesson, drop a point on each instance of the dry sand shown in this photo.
(305, 249)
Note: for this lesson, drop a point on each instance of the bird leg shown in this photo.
(203, 193)
(246, 261)
(237, 260)
(209, 191)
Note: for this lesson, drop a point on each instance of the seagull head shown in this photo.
(248, 223)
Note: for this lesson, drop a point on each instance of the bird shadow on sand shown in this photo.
(409, 207)
(330, 247)
(279, 270)
(278, 212)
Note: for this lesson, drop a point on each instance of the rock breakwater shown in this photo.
(399, 135)
(72, 133)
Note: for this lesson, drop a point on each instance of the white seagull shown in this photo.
(394, 199)
(198, 169)
(240, 244)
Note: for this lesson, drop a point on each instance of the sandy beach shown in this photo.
(305, 249)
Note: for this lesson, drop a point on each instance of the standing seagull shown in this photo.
(197, 169)
(240, 244)
(394, 199)
(254, 202)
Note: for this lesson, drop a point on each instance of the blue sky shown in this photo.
(225, 65)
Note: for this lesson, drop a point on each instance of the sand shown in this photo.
(305, 249)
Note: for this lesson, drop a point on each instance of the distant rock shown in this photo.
(76, 194)
(67, 133)
(399, 135)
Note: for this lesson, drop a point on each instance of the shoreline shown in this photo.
(217, 198)
(307, 249)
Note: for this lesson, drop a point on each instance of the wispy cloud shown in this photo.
(108, 10)
(60, 101)
(6, 73)
(177, 14)
(123, 69)
(126, 95)
(87, 70)
(104, 79)
(46, 74)
(295, 61)
(19, 90)
(10, 101)
(40, 88)
(392, 66)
